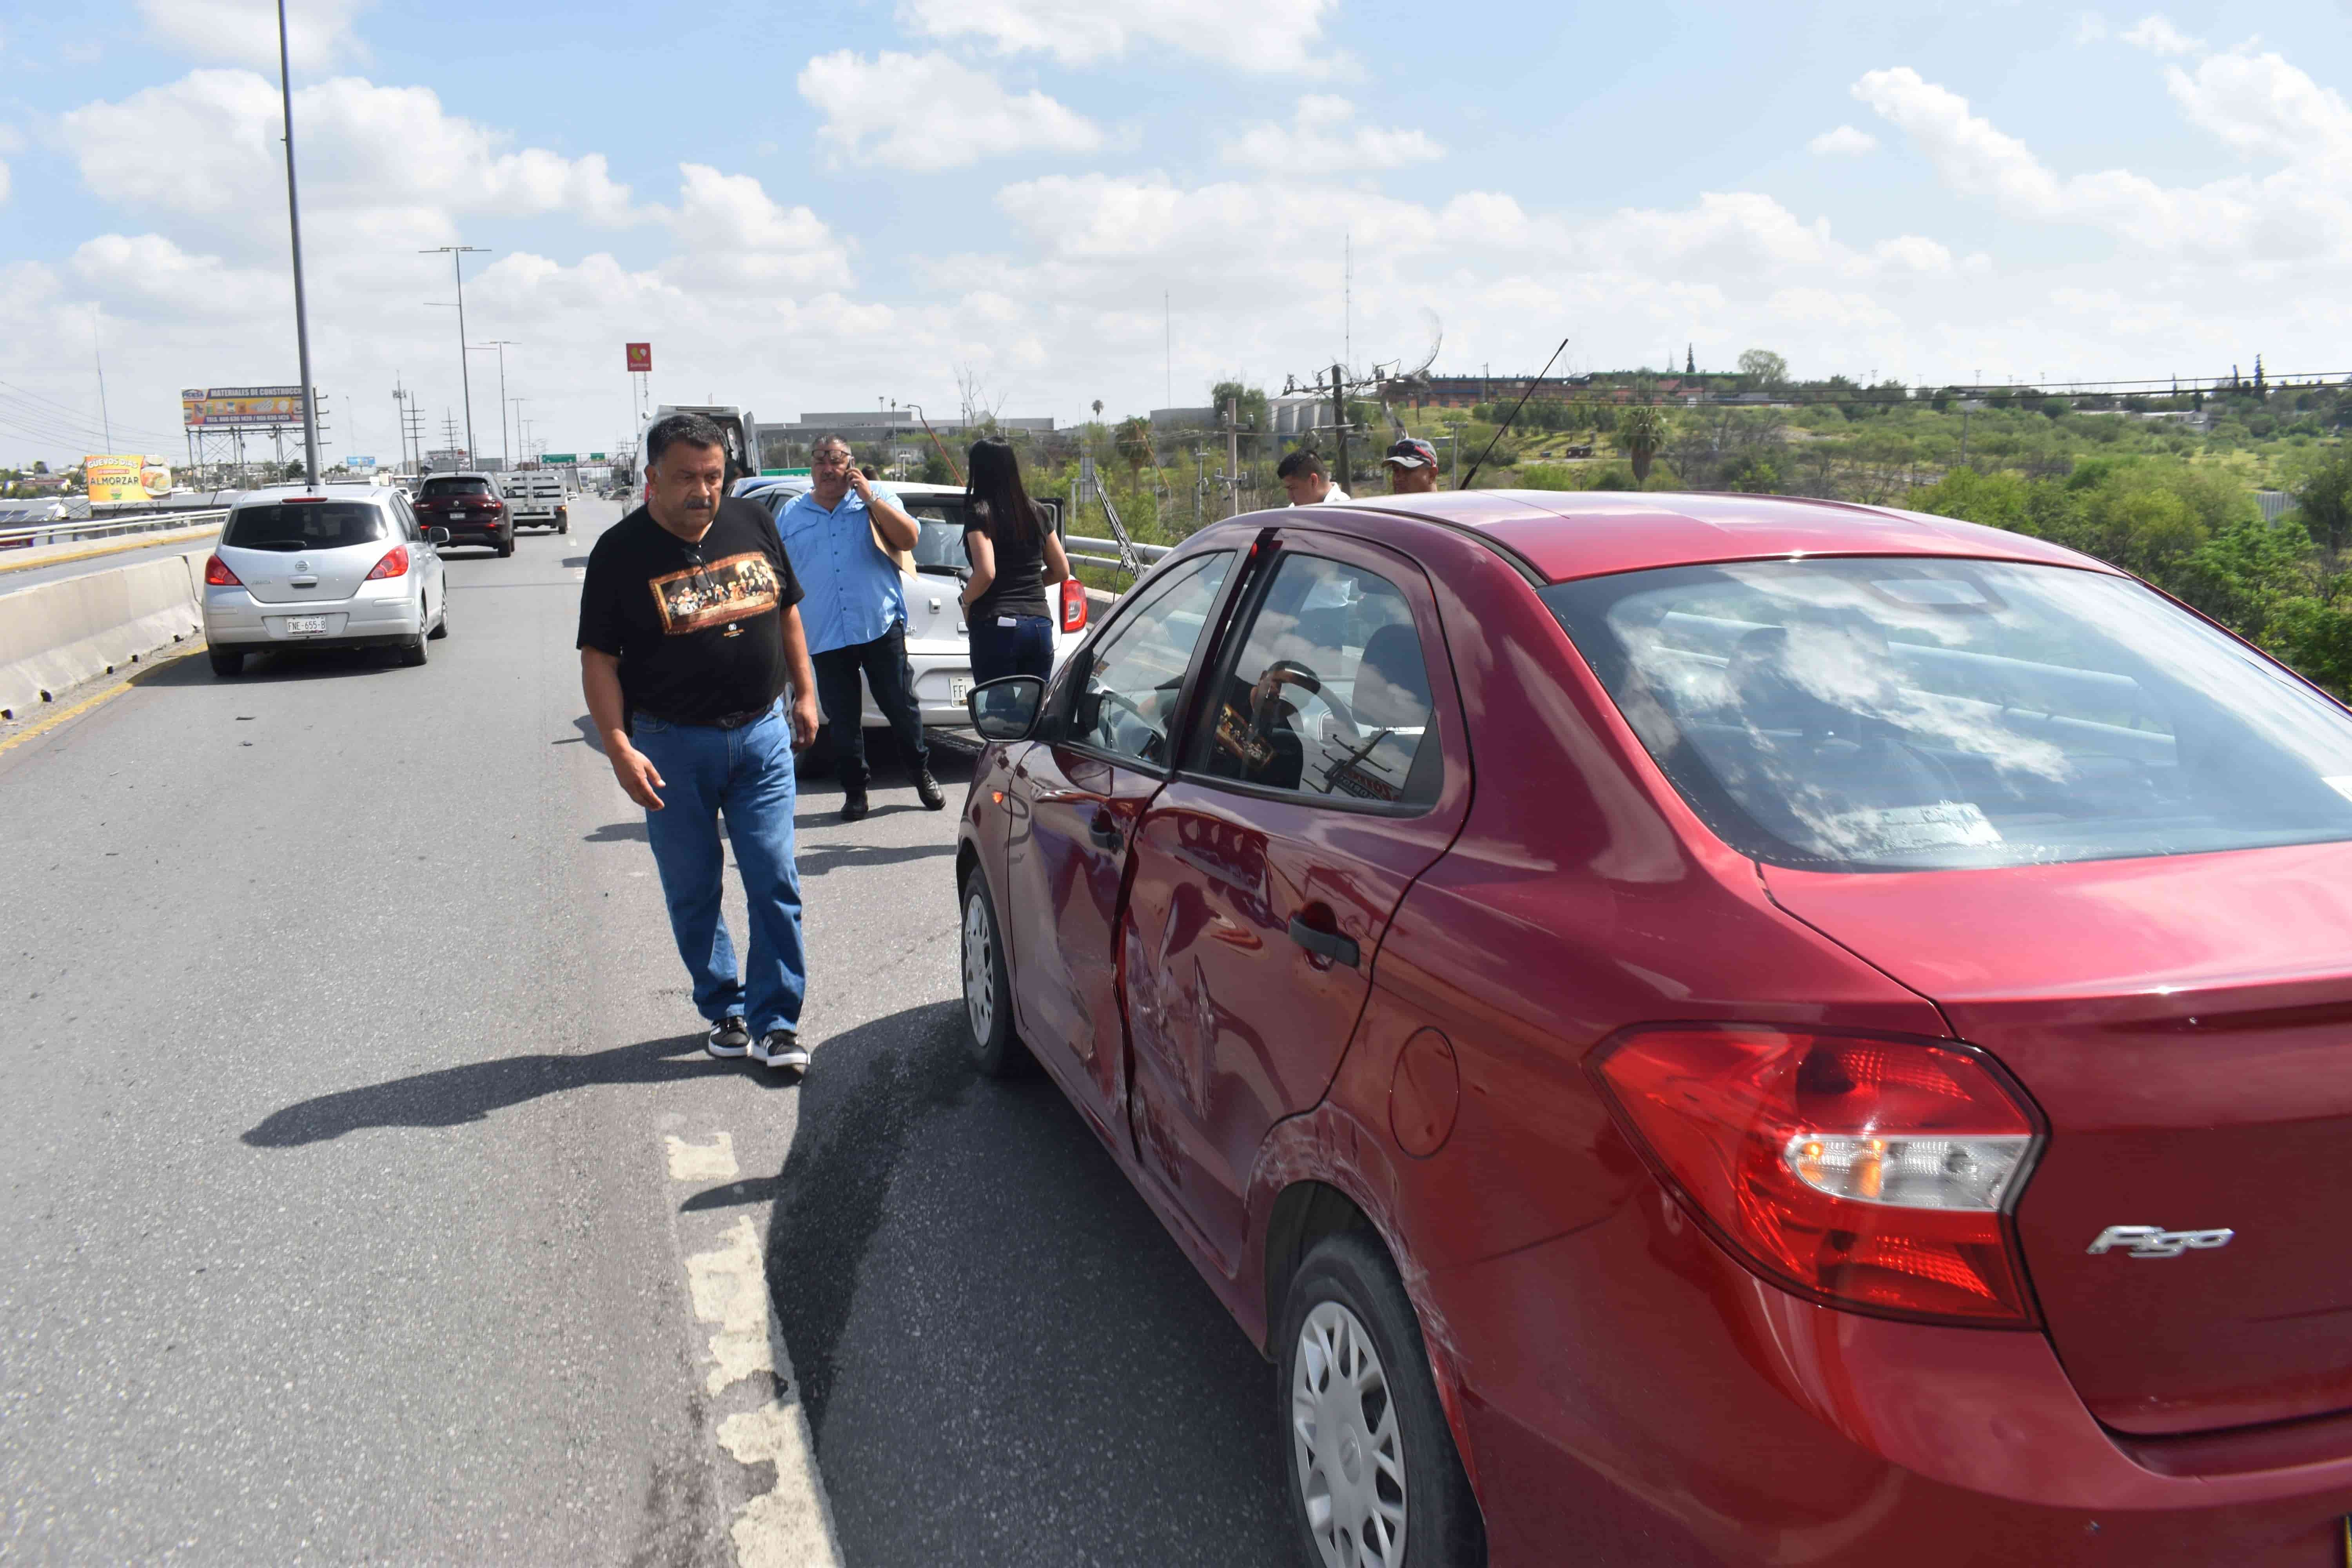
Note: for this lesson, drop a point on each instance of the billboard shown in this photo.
(240, 407)
(121, 477)
(641, 359)
(356, 461)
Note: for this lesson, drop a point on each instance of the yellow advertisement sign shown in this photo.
(119, 478)
(240, 407)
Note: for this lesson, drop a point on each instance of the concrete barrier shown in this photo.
(55, 636)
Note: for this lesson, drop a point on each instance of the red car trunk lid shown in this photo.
(2185, 1023)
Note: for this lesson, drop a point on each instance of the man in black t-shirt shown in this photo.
(689, 639)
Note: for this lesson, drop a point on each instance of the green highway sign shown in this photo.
(596, 457)
(559, 456)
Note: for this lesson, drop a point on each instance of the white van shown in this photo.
(535, 499)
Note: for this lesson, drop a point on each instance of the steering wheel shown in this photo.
(1306, 680)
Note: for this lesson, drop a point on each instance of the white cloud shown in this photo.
(2261, 105)
(733, 232)
(318, 32)
(1845, 142)
(2159, 37)
(1322, 139)
(928, 112)
(2090, 27)
(1248, 35)
(4, 180)
(208, 144)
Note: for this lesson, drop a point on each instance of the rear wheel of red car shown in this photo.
(1374, 1479)
(506, 545)
(996, 1050)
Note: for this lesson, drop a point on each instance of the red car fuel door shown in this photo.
(1327, 772)
(1078, 796)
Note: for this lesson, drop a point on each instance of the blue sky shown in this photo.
(813, 206)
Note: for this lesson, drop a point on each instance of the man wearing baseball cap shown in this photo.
(1411, 464)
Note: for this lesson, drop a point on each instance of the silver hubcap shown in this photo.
(1350, 1454)
(979, 969)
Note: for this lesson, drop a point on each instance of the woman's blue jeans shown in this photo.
(1025, 647)
(746, 777)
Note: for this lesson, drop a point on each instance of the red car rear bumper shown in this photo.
(1637, 1393)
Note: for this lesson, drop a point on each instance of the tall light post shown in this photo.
(457, 254)
(501, 346)
(294, 224)
(521, 437)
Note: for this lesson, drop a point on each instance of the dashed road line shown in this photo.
(790, 1525)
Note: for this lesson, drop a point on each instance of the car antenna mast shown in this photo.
(1506, 424)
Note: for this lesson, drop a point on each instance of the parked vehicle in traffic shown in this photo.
(939, 641)
(535, 499)
(335, 565)
(470, 506)
(1724, 1029)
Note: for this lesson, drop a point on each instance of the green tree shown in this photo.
(1640, 431)
(1133, 445)
(1765, 371)
(1251, 398)
(2324, 500)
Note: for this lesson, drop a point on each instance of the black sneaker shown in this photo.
(728, 1037)
(780, 1048)
(927, 790)
(853, 806)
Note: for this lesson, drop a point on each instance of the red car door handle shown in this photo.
(1104, 830)
(1327, 943)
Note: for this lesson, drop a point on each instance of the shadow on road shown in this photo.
(451, 1097)
(820, 858)
(1003, 1357)
(275, 665)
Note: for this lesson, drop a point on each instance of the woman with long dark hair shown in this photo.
(1014, 557)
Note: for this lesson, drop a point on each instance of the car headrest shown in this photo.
(1392, 682)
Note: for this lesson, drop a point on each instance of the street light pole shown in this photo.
(502, 345)
(457, 254)
(294, 224)
(519, 422)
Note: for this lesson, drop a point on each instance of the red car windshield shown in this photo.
(1902, 714)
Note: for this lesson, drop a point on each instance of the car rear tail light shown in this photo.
(1074, 604)
(218, 575)
(393, 564)
(1862, 1171)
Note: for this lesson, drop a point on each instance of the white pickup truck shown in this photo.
(535, 499)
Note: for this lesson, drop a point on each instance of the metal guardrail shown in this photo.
(1152, 554)
(67, 530)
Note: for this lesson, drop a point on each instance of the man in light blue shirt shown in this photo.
(856, 615)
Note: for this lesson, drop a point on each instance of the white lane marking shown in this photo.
(791, 1525)
(730, 1289)
(701, 1161)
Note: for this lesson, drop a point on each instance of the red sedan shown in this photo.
(1709, 1030)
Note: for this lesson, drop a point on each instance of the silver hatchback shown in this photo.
(323, 566)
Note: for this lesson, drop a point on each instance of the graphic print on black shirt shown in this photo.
(699, 597)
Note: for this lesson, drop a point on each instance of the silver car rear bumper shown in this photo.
(235, 618)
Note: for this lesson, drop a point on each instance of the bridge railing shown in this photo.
(1105, 552)
(66, 530)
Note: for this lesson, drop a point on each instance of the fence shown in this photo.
(1150, 554)
(68, 531)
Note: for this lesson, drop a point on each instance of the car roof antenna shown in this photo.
(1506, 424)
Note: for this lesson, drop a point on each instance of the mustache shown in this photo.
(698, 502)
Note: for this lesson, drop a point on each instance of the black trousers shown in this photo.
(883, 662)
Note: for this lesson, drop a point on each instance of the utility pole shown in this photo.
(1340, 419)
(294, 226)
(521, 440)
(457, 254)
(501, 346)
(1232, 457)
(100, 360)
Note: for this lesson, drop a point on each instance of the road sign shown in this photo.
(641, 359)
(356, 461)
(596, 457)
(559, 456)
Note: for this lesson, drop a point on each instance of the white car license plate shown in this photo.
(298, 626)
(959, 690)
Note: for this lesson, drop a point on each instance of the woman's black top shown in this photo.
(1019, 587)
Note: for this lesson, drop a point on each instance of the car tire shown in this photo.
(996, 1049)
(1355, 1385)
(417, 650)
(506, 546)
(441, 626)
(563, 527)
(227, 661)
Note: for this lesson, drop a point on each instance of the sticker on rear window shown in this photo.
(1905, 829)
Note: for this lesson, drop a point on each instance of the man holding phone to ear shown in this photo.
(689, 640)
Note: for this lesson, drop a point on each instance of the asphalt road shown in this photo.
(344, 1044)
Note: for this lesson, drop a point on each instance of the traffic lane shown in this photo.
(338, 1225)
(1004, 1356)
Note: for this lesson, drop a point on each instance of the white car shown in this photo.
(339, 565)
(938, 643)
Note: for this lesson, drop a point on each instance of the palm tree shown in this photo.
(1640, 431)
(1133, 444)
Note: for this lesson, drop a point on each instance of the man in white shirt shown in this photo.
(1304, 480)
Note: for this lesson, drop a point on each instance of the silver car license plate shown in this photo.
(959, 690)
(299, 625)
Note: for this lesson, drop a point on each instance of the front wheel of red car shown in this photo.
(1374, 1479)
(996, 1050)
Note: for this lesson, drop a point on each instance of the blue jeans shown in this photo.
(1025, 647)
(747, 775)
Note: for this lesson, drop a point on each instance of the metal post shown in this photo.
(457, 254)
(1232, 457)
(294, 224)
(1340, 420)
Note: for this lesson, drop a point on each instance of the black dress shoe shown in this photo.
(927, 789)
(853, 806)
